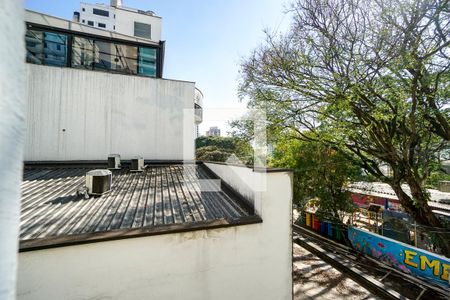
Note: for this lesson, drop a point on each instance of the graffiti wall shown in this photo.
(401, 256)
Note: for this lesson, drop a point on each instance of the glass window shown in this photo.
(126, 59)
(101, 25)
(100, 12)
(50, 48)
(34, 43)
(83, 54)
(104, 55)
(147, 61)
(46, 48)
(142, 30)
(91, 23)
(56, 49)
(100, 55)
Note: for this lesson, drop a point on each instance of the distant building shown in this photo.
(107, 105)
(121, 19)
(213, 131)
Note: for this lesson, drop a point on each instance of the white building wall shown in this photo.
(88, 15)
(125, 23)
(244, 262)
(245, 181)
(120, 19)
(12, 135)
(86, 115)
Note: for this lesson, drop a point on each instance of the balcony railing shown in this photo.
(198, 113)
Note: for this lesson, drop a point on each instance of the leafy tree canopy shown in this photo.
(221, 149)
(370, 78)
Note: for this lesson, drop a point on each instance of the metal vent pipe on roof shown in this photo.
(98, 182)
(76, 16)
(116, 3)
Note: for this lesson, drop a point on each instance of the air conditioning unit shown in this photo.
(114, 161)
(137, 164)
(98, 182)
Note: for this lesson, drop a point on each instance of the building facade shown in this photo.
(115, 100)
(120, 19)
(213, 131)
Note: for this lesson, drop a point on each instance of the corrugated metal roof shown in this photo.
(163, 196)
(378, 189)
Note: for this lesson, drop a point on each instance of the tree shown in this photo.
(320, 172)
(369, 78)
(221, 149)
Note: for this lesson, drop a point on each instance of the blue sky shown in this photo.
(205, 41)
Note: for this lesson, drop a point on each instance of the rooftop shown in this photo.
(162, 199)
(56, 23)
(439, 200)
(135, 10)
(385, 190)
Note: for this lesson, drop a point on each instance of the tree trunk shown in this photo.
(420, 210)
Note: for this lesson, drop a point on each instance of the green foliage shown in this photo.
(368, 78)
(434, 178)
(225, 143)
(212, 153)
(320, 172)
(221, 149)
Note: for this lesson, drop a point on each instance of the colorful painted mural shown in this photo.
(401, 256)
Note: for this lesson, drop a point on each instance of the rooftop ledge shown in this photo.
(79, 239)
(255, 169)
(112, 73)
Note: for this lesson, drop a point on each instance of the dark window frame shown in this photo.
(100, 12)
(101, 25)
(90, 23)
(149, 36)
